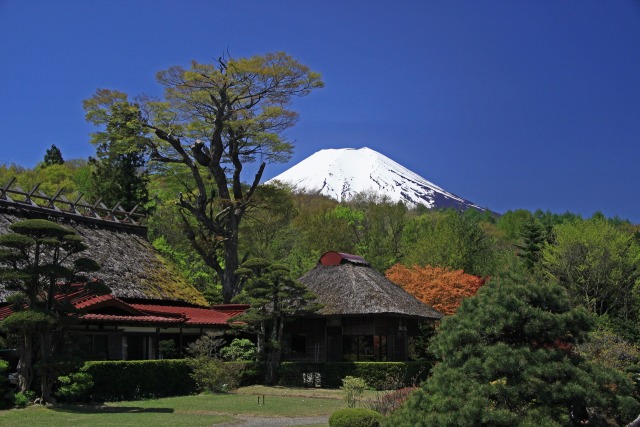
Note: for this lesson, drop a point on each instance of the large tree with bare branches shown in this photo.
(213, 120)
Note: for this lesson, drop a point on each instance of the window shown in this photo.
(364, 348)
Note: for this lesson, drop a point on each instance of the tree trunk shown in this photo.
(25, 369)
(231, 264)
(275, 351)
(46, 382)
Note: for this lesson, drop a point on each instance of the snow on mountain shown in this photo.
(342, 173)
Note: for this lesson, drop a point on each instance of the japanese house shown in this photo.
(365, 316)
(149, 302)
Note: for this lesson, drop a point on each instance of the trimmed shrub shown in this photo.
(628, 409)
(355, 417)
(135, 379)
(75, 387)
(378, 375)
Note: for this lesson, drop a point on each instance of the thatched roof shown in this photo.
(355, 288)
(130, 266)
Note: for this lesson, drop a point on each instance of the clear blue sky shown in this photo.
(510, 104)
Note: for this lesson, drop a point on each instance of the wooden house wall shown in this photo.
(324, 336)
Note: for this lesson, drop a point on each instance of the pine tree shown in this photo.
(274, 298)
(53, 156)
(507, 359)
(34, 257)
(533, 239)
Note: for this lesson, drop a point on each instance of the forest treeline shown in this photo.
(597, 259)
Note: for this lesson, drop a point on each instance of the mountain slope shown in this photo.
(342, 173)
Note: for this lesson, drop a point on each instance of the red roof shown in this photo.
(111, 318)
(109, 309)
(194, 315)
(337, 258)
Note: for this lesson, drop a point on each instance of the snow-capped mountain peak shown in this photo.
(342, 173)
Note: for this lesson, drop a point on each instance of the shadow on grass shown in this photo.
(89, 409)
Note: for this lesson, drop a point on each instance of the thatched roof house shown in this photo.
(150, 300)
(365, 317)
(347, 285)
(130, 265)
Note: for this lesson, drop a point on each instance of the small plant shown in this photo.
(75, 387)
(355, 417)
(207, 345)
(388, 401)
(214, 375)
(353, 388)
(22, 400)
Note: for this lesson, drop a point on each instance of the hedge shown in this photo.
(135, 379)
(378, 375)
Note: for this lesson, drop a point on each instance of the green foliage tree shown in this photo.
(598, 264)
(33, 258)
(53, 156)
(511, 223)
(377, 225)
(267, 231)
(448, 239)
(507, 359)
(214, 119)
(274, 298)
(119, 176)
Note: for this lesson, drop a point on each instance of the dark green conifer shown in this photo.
(53, 156)
(507, 359)
(274, 298)
(533, 239)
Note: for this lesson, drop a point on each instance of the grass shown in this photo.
(197, 410)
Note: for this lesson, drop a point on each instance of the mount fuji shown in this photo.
(342, 173)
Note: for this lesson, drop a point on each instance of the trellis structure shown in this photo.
(11, 194)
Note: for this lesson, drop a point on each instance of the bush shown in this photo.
(388, 401)
(75, 387)
(240, 349)
(353, 388)
(6, 389)
(22, 400)
(355, 417)
(135, 379)
(214, 375)
(168, 349)
(628, 409)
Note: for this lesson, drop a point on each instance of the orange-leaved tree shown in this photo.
(441, 288)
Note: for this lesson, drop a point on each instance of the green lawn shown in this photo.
(198, 410)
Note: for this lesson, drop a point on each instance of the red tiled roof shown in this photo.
(194, 315)
(87, 302)
(111, 318)
(5, 311)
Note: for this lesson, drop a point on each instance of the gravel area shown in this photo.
(249, 421)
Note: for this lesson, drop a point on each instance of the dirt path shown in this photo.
(249, 421)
